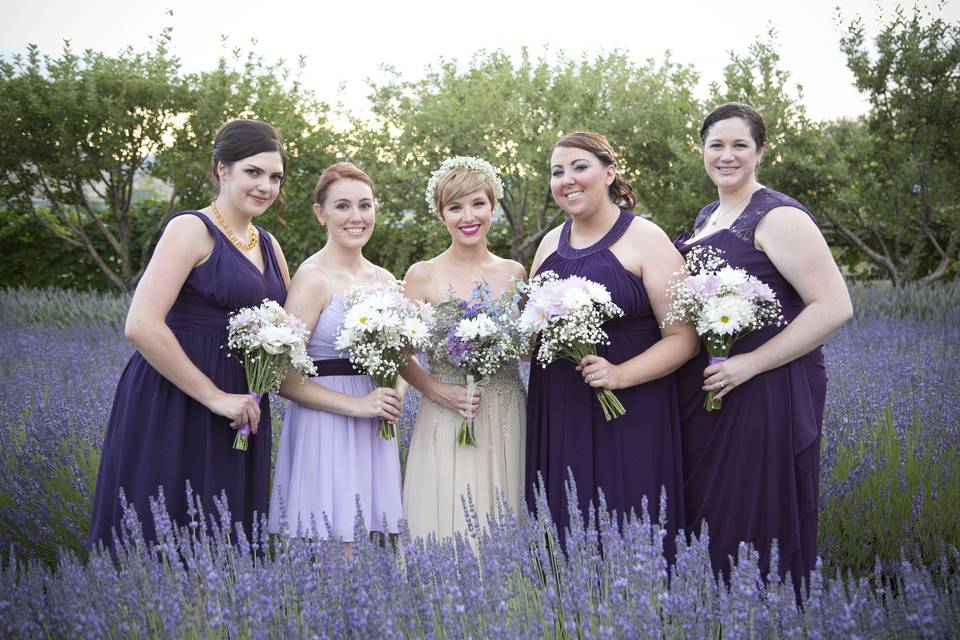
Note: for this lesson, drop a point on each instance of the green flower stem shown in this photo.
(611, 405)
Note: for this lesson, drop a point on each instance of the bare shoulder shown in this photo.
(548, 244)
(417, 281)
(643, 230)
(311, 277)
(516, 270)
(186, 224)
(784, 227)
(188, 236)
(384, 275)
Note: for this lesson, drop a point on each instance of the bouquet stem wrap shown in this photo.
(466, 434)
(711, 403)
(241, 441)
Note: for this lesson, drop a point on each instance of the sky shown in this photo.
(345, 43)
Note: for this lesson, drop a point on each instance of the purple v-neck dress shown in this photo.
(158, 435)
(627, 458)
(751, 469)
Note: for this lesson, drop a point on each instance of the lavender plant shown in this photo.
(890, 495)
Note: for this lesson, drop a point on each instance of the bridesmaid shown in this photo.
(330, 455)
(180, 396)
(462, 194)
(751, 469)
(635, 455)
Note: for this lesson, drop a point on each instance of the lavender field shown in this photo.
(890, 518)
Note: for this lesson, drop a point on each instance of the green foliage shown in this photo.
(905, 214)
(512, 113)
(90, 126)
(873, 521)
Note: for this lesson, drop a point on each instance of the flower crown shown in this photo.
(467, 162)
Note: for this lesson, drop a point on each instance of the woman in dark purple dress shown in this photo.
(751, 469)
(638, 453)
(180, 397)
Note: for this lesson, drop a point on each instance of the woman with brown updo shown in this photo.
(635, 455)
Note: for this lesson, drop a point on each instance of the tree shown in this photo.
(907, 219)
(81, 129)
(512, 114)
(88, 127)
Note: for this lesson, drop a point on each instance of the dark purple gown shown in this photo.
(751, 470)
(158, 435)
(630, 457)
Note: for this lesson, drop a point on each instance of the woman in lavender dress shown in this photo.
(751, 469)
(637, 454)
(330, 455)
(180, 396)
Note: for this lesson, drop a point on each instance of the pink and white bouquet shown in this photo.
(381, 329)
(568, 314)
(722, 302)
(477, 336)
(270, 343)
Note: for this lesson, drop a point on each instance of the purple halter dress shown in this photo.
(627, 458)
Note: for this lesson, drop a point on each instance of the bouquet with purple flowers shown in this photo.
(723, 304)
(270, 343)
(568, 314)
(478, 336)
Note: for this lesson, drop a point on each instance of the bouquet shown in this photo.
(381, 329)
(271, 343)
(477, 336)
(723, 303)
(568, 314)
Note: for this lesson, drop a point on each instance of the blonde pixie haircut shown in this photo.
(459, 182)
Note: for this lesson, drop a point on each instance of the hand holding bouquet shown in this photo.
(271, 343)
(723, 304)
(568, 314)
(381, 329)
(477, 336)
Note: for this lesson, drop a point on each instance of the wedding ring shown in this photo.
(722, 383)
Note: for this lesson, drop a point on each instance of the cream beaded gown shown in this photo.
(439, 471)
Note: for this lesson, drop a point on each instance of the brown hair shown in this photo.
(239, 139)
(337, 171)
(459, 182)
(621, 192)
(758, 130)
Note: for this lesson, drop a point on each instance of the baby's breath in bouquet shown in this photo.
(477, 336)
(271, 343)
(722, 302)
(381, 329)
(568, 314)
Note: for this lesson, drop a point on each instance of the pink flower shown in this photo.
(702, 285)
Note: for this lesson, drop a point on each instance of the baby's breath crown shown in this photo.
(467, 162)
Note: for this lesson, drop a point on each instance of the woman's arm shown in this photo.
(308, 295)
(647, 249)
(452, 396)
(798, 250)
(184, 244)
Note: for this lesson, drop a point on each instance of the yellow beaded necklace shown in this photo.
(251, 230)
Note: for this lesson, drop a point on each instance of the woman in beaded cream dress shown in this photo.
(463, 194)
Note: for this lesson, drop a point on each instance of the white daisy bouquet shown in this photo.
(722, 302)
(568, 314)
(270, 343)
(381, 329)
(477, 336)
